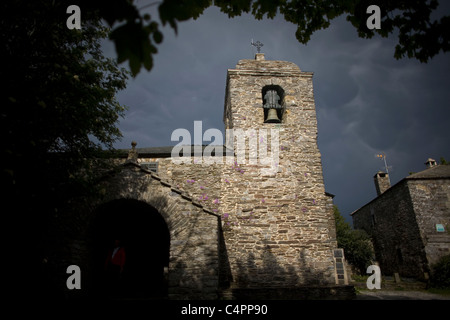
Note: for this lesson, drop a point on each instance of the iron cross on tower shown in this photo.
(257, 44)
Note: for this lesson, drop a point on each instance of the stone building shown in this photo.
(248, 219)
(409, 222)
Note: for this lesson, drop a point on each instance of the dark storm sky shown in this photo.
(366, 101)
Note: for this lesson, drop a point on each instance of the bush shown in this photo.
(356, 243)
(358, 250)
(440, 273)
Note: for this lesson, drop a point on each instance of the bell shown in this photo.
(272, 116)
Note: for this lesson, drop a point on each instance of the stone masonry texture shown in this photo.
(402, 223)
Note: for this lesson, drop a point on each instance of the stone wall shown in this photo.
(431, 201)
(390, 220)
(402, 223)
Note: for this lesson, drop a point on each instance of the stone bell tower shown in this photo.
(278, 225)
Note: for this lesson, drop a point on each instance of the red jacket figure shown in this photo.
(116, 256)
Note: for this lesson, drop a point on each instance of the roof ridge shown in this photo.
(436, 171)
(185, 195)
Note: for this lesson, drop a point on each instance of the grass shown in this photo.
(361, 279)
(442, 291)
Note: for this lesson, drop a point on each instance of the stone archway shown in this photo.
(146, 239)
(193, 230)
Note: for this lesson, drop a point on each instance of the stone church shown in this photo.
(235, 227)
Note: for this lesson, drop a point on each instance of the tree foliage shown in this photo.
(60, 93)
(59, 108)
(419, 36)
(356, 243)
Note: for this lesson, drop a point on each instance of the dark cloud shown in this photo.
(366, 101)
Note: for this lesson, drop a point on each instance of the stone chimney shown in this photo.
(382, 182)
(430, 163)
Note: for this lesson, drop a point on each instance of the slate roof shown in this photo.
(435, 172)
(166, 152)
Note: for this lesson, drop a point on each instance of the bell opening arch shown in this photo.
(273, 103)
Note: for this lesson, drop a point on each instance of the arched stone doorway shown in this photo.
(146, 239)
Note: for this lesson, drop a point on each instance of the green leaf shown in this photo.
(135, 65)
(157, 36)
